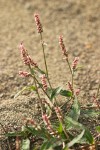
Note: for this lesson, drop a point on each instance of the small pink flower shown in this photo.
(38, 23)
(43, 80)
(45, 119)
(75, 62)
(58, 112)
(62, 46)
(70, 87)
(48, 124)
(77, 92)
(24, 74)
(25, 56)
(32, 63)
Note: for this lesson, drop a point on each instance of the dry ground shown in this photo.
(78, 21)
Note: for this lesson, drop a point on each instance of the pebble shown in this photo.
(28, 6)
(1, 95)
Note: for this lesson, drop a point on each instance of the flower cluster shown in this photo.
(25, 56)
(43, 80)
(48, 124)
(70, 87)
(62, 46)
(38, 23)
(58, 112)
(77, 92)
(24, 74)
(74, 64)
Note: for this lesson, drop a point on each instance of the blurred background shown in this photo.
(79, 23)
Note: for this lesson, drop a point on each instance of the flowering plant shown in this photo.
(60, 126)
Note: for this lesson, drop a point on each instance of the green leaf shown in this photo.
(88, 136)
(20, 92)
(39, 133)
(33, 88)
(66, 93)
(14, 134)
(73, 123)
(90, 113)
(55, 92)
(76, 139)
(25, 144)
(75, 111)
(49, 91)
(66, 148)
(32, 71)
(76, 125)
(52, 144)
(60, 128)
(47, 145)
(40, 71)
(98, 128)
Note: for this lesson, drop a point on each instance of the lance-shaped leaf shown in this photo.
(90, 113)
(33, 88)
(76, 125)
(98, 128)
(88, 136)
(66, 93)
(58, 91)
(75, 111)
(25, 144)
(76, 139)
(55, 92)
(40, 71)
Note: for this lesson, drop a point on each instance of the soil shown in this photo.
(79, 23)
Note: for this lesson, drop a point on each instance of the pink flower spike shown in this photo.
(48, 124)
(24, 54)
(45, 119)
(70, 87)
(24, 74)
(32, 63)
(38, 23)
(43, 80)
(62, 46)
(75, 62)
(58, 112)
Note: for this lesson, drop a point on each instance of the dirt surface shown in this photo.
(78, 21)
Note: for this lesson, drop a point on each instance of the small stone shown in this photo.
(1, 95)
(28, 6)
(12, 96)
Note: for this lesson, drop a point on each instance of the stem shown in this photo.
(44, 54)
(46, 65)
(44, 92)
(42, 108)
(72, 73)
(41, 105)
(51, 105)
(61, 120)
(45, 61)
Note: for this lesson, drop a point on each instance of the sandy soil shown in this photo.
(78, 21)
